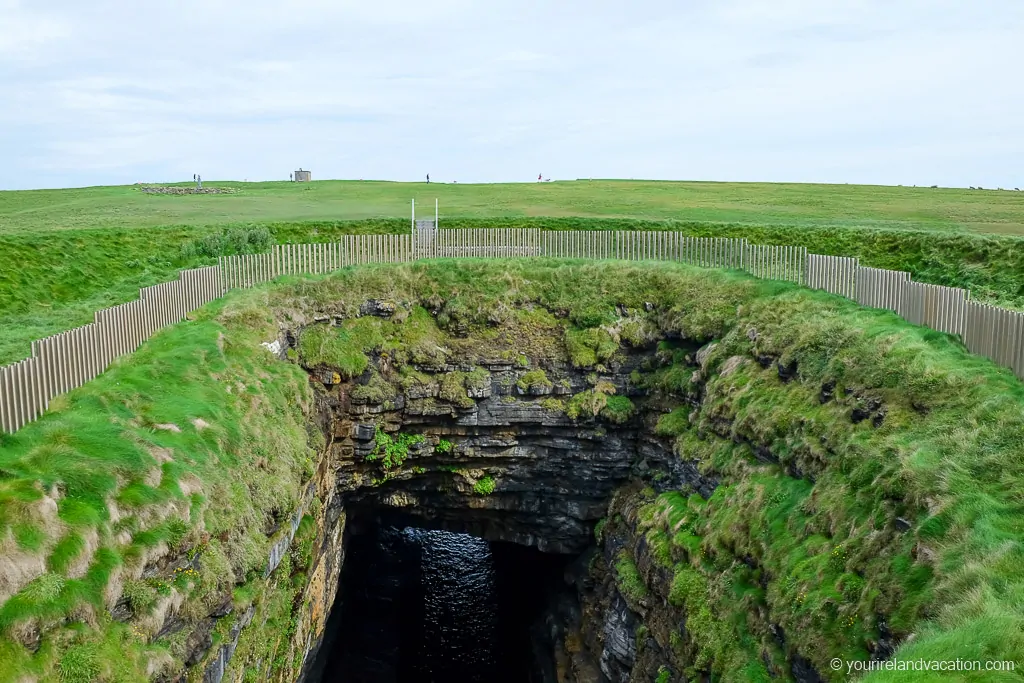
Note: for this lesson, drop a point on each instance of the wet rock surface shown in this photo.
(553, 475)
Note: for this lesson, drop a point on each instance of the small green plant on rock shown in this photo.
(195, 551)
(377, 391)
(837, 558)
(478, 379)
(589, 347)
(44, 589)
(586, 404)
(453, 389)
(600, 400)
(553, 405)
(485, 486)
(444, 446)
(641, 637)
(630, 582)
(618, 409)
(160, 586)
(534, 381)
(392, 451)
(302, 543)
(139, 594)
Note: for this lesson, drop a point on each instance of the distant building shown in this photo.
(302, 176)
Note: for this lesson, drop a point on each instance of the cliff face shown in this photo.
(505, 465)
(501, 458)
(622, 462)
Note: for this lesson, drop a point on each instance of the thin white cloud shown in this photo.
(916, 92)
(25, 32)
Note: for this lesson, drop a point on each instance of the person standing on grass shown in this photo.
(428, 179)
(539, 176)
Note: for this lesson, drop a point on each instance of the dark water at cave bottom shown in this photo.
(433, 606)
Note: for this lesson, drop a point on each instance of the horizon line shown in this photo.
(512, 182)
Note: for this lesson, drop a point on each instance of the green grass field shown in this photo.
(67, 253)
(978, 211)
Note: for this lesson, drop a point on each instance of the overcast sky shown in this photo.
(97, 92)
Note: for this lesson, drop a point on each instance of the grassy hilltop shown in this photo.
(805, 205)
(68, 253)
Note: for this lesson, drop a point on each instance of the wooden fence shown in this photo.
(940, 308)
(771, 262)
(68, 360)
(314, 259)
(880, 288)
(479, 243)
(835, 274)
(65, 361)
(995, 333)
(707, 252)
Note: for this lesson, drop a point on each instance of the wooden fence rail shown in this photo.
(479, 243)
(834, 274)
(880, 288)
(708, 252)
(776, 263)
(940, 308)
(67, 360)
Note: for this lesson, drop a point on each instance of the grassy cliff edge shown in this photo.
(869, 469)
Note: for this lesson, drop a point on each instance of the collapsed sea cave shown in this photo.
(698, 485)
(542, 472)
(564, 479)
(473, 558)
(589, 463)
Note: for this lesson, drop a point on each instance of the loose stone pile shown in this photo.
(150, 189)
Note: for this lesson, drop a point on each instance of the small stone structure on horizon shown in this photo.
(302, 176)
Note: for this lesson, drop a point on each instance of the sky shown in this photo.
(913, 92)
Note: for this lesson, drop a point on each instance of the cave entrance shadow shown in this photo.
(428, 605)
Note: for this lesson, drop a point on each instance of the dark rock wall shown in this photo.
(550, 479)
(553, 476)
(554, 479)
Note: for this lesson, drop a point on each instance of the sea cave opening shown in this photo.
(421, 603)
